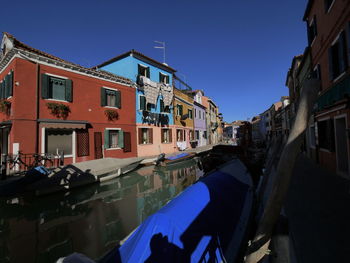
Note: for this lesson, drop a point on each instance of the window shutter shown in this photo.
(118, 103)
(142, 103)
(2, 87)
(160, 77)
(150, 135)
(121, 139)
(140, 135)
(103, 97)
(139, 68)
(170, 135)
(45, 86)
(148, 72)
(83, 143)
(8, 85)
(167, 79)
(161, 105)
(330, 63)
(162, 135)
(106, 139)
(69, 94)
(342, 53)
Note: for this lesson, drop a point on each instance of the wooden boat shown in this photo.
(207, 222)
(170, 160)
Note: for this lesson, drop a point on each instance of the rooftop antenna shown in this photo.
(162, 47)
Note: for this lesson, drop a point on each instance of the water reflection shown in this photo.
(90, 220)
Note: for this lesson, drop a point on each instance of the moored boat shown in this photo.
(170, 160)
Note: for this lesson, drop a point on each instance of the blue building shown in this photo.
(154, 97)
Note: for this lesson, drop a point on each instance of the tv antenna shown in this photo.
(162, 47)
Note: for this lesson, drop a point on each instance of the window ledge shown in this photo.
(65, 156)
(110, 107)
(58, 100)
(110, 149)
(167, 142)
(339, 77)
(325, 150)
(145, 143)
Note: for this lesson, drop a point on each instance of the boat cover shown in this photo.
(181, 155)
(196, 226)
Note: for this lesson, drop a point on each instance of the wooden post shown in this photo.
(260, 244)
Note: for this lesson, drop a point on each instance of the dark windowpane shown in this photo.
(59, 139)
(58, 89)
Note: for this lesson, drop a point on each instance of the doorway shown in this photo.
(98, 145)
(341, 142)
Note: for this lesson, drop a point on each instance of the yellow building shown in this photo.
(183, 119)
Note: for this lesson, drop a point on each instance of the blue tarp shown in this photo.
(177, 156)
(195, 226)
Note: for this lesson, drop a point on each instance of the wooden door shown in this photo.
(98, 145)
(127, 142)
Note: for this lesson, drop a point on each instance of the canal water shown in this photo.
(90, 220)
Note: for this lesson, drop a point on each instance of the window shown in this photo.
(195, 113)
(312, 30)
(197, 135)
(56, 88)
(110, 98)
(337, 54)
(145, 135)
(114, 138)
(205, 134)
(179, 135)
(327, 5)
(312, 136)
(166, 136)
(190, 114)
(325, 131)
(191, 135)
(184, 137)
(143, 104)
(163, 78)
(58, 140)
(143, 71)
(6, 86)
(317, 72)
(82, 142)
(164, 108)
(179, 110)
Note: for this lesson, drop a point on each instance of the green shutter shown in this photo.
(160, 77)
(118, 99)
(142, 103)
(106, 139)
(103, 97)
(69, 91)
(2, 88)
(45, 86)
(148, 72)
(8, 85)
(121, 139)
(330, 63)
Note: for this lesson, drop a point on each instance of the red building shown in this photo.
(328, 26)
(50, 105)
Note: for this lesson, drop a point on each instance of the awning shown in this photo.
(62, 124)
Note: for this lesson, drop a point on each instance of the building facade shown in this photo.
(154, 98)
(184, 119)
(52, 106)
(328, 24)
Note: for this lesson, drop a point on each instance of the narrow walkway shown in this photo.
(318, 209)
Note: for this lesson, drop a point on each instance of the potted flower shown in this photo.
(5, 106)
(111, 114)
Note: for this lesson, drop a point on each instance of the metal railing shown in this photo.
(13, 164)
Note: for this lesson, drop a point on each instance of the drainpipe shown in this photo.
(37, 98)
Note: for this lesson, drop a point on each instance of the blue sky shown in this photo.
(237, 51)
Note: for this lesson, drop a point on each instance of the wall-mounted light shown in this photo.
(17, 83)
